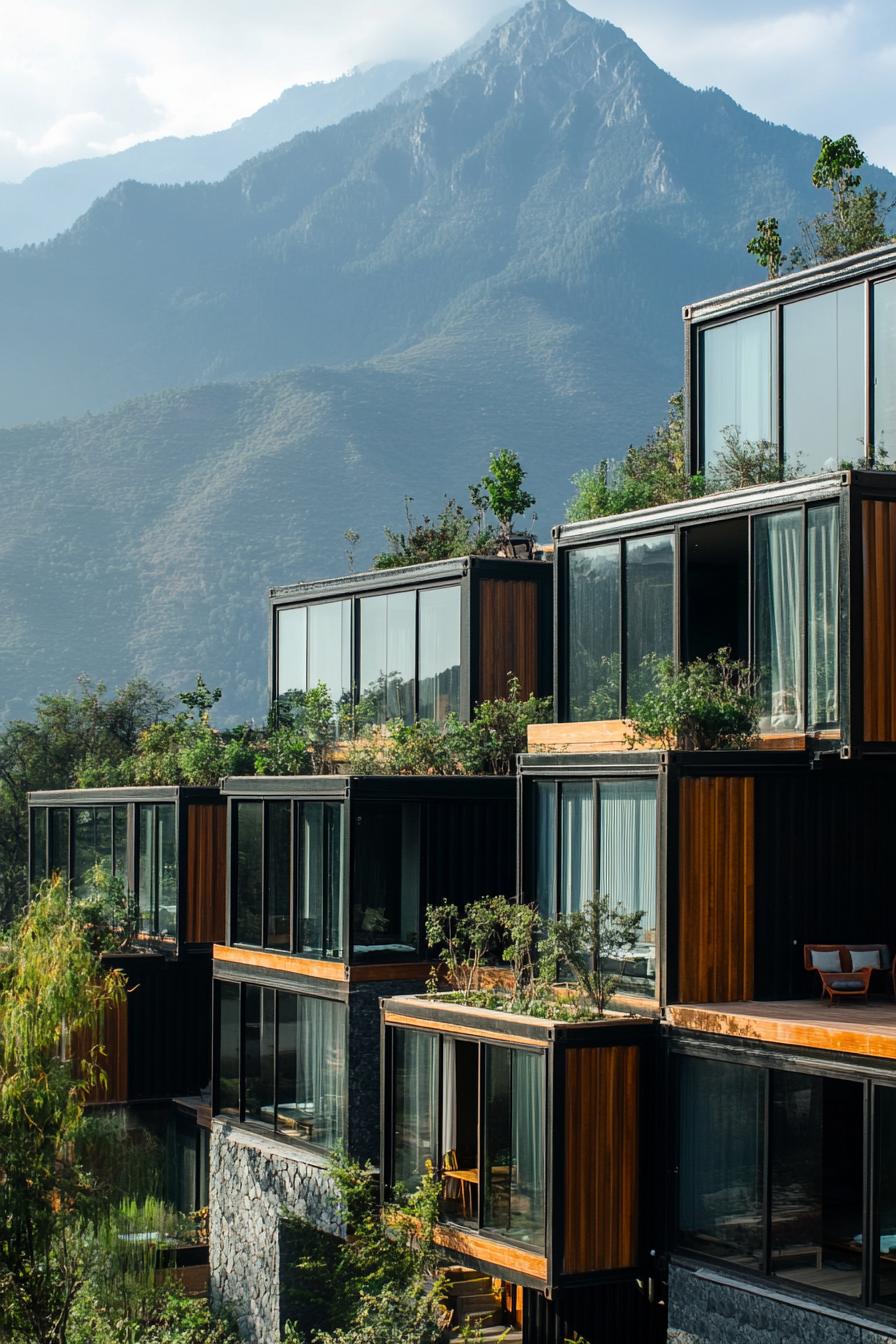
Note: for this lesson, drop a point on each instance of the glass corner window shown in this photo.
(737, 380)
(385, 912)
(157, 869)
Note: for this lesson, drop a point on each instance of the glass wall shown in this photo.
(737, 384)
(439, 653)
(885, 1285)
(778, 623)
(513, 1144)
(157, 869)
(884, 370)
(598, 685)
(823, 615)
(386, 914)
(314, 644)
(98, 835)
(388, 662)
(824, 380)
(38, 854)
(287, 1069)
(415, 1105)
(721, 1128)
(57, 854)
(274, 840)
(761, 1147)
(607, 844)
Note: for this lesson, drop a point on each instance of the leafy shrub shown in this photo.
(586, 941)
(452, 533)
(709, 705)
(742, 462)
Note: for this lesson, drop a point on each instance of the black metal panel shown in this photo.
(169, 1025)
(608, 1313)
(469, 848)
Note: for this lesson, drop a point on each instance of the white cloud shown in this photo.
(86, 76)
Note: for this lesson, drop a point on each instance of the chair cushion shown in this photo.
(862, 959)
(846, 984)
(825, 961)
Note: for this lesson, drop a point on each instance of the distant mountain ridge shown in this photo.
(362, 313)
(49, 200)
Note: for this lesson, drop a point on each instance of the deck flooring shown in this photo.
(847, 1026)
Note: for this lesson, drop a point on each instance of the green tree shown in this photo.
(501, 491)
(588, 942)
(709, 705)
(650, 474)
(54, 995)
(765, 246)
(452, 533)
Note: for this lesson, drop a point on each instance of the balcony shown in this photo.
(845, 1027)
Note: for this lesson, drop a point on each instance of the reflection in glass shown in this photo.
(884, 326)
(120, 842)
(823, 615)
(320, 892)
(415, 1062)
(824, 380)
(38, 844)
(439, 653)
(247, 893)
(576, 846)
(386, 895)
(778, 646)
(59, 823)
(593, 653)
(721, 1161)
(166, 872)
(228, 1047)
(513, 1144)
(388, 655)
(628, 866)
(737, 379)
(277, 841)
(311, 1068)
(649, 585)
(816, 1182)
(329, 648)
(258, 1054)
(886, 1195)
(544, 838)
(292, 649)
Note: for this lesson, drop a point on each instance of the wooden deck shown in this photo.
(849, 1027)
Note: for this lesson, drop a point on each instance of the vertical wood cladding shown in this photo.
(206, 883)
(879, 619)
(508, 636)
(602, 1132)
(716, 890)
(113, 1060)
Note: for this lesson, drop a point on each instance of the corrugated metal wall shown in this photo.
(169, 1026)
(614, 1313)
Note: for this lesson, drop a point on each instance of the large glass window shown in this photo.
(884, 356)
(649, 603)
(721, 1161)
(885, 1287)
(292, 649)
(59, 834)
(249, 823)
(593, 652)
(607, 844)
(439, 653)
(388, 654)
(415, 1106)
(777, 613)
(513, 1141)
(320, 883)
(386, 880)
(157, 869)
(228, 1048)
(287, 1072)
(278, 839)
(737, 382)
(38, 844)
(311, 1068)
(93, 844)
(823, 614)
(824, 380)
(314, 645)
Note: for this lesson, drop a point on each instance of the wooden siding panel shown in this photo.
(879, 619)
(716, 889)
(113, 1058)
(206, 872)
(508, 636)
(602, 1134)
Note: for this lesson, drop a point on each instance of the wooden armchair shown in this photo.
(840, 977)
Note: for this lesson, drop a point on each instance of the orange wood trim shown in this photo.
(814, 1035)
(450, 1029)
(275, 961)
(493, 1252)
(410, 970)
(610, 735)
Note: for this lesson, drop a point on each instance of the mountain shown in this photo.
(49, 200)
(360, 314)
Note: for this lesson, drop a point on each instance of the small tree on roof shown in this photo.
(501, 490)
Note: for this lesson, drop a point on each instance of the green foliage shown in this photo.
(741, 462)
(487, 745)
(380, 1285)
(53, 997)
(708, 705)
(453, 532)
(765, 246)
(171, 1316)
(463, 942)
(501, 491)
(107, 910)
(649, 475)
(588, 941)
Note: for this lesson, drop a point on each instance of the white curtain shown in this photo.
(415, 1056)
(823, 616)
(628, 846)
(449, 1095)
(320, 1066)
(527, 1146)
(778, 638)
(576, 846)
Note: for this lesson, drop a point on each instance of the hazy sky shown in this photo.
(80, 77)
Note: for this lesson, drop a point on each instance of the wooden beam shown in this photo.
(492, 1252)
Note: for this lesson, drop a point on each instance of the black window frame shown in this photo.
(46, 809)
(154, 806)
